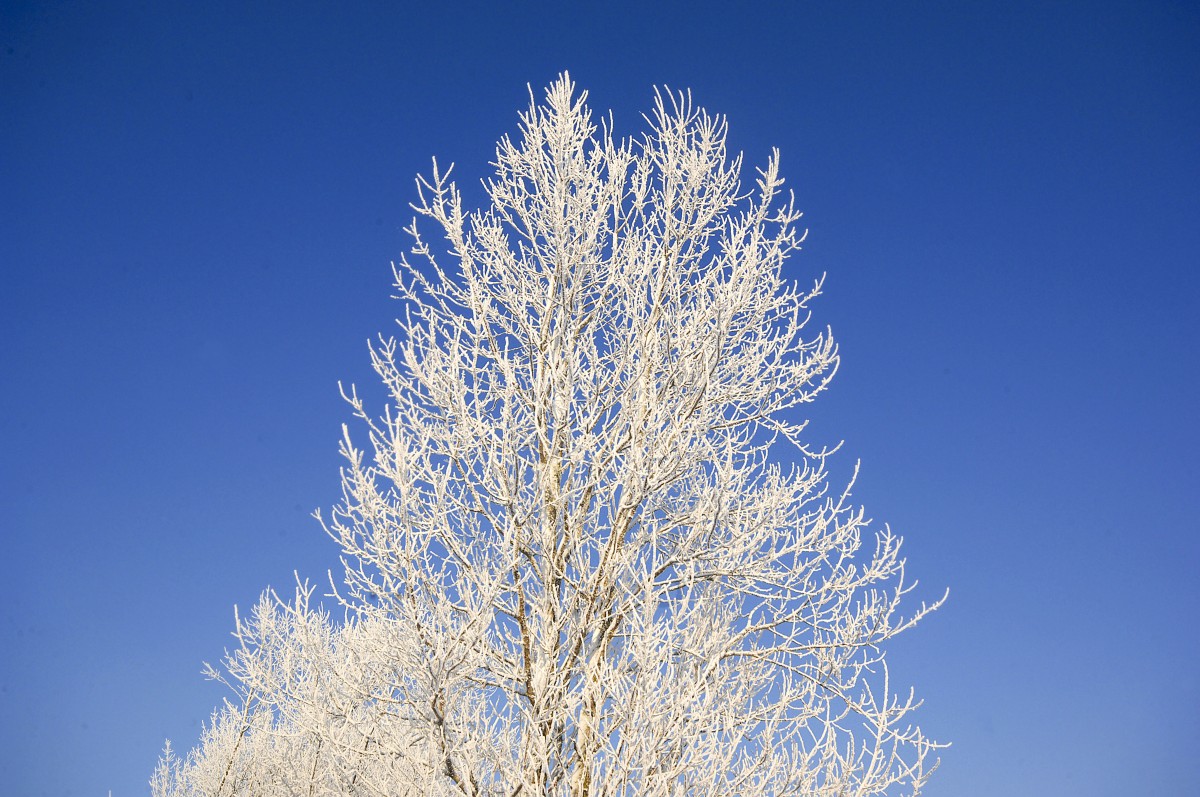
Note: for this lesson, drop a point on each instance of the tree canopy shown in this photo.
(587, 548)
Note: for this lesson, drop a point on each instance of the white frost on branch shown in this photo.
(587, 550)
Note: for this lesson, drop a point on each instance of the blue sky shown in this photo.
(199, 208)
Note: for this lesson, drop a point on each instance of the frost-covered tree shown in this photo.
(587, 549)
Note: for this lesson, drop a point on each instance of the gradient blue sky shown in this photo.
(200, 202)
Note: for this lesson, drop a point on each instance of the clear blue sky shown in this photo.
(199, 203)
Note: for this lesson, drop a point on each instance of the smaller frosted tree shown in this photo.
(589, 552)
